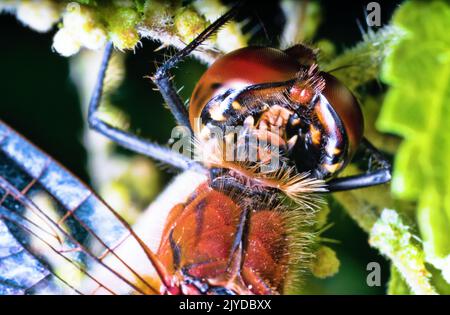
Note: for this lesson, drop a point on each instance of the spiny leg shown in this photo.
(176, 106)
(127, 139)
(162, 75)
(379, 172)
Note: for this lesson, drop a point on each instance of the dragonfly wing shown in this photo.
(19, 270)
(54, 230)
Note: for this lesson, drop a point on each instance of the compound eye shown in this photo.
(347, 108)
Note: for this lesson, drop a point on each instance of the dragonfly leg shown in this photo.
(170, 95)
(127, 139)
(162, 77)
(379, 172)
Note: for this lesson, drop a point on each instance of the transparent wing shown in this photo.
(56, 235)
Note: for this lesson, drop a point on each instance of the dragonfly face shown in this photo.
(315, 118)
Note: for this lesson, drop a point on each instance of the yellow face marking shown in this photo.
(315, 134)
(217, 113)
(295, 122)
(236, 105)
(333, 167)
(336, 151)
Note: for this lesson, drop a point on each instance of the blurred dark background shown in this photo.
(39, 100)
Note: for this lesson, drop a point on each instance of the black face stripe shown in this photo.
(233, 117)
(324, 156)
(216, 85)
(330, 158)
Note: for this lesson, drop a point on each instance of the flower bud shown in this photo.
(38, 15)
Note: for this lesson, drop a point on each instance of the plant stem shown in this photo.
(362, 63)
(392, 237)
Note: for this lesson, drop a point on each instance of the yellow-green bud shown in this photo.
(322, 216)
(188, 24)
(326, 263)
(158, 14)
(122, 25)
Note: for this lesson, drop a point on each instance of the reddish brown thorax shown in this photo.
(204, 244)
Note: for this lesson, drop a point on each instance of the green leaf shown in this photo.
(417, 107)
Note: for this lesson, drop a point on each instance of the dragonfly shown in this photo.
(242, 230)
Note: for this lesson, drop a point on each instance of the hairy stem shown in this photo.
(362, 63)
